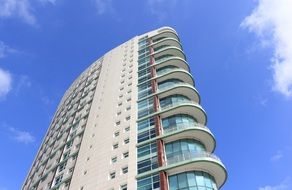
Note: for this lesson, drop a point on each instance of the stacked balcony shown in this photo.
(174, 118)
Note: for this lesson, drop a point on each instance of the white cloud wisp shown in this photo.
(21, 136)
(5, 49)
(17, 8)
(103, 6)
(271, 22)
(5, 83)
(21, 9)
(284, 185)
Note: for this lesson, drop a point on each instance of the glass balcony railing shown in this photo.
(158, 39)
(163, 58)
(164, 107)
(171, 85)
(160, 47)
(165, 47)
(182, 126)
(164, 71)
(189, 156)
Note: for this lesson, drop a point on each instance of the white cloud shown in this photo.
(23, 82)
(103, 6)
(53, 2)
(159, 8)
(21, 9)
(22, 136)
(271, 22)
(5, 83)
(284, 185)
(47, 101)
(279, 155)
(4, 49)
(17, 8)
(168, 8)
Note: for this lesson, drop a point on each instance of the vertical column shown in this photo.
(158, 128)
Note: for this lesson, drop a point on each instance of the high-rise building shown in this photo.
(131, 121)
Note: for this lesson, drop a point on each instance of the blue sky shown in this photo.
(240, 53)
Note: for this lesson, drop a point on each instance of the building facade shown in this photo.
(131, 121)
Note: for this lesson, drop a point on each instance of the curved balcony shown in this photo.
(182, 88)
(172, 60)
(187, 107)
(165, 33)
(204, 161)
(178, 73)
(190, 131)
(167, 41)
(167, 28)
(171, 50)
(179, 88)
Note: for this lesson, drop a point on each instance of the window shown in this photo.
(114, 159)
(147, 164)
(147, 149)
(128, 118)
(127, 129)
(112, 175)
(67, 183)
(129, 99)
(125, 170)
(119, 113)
(186, 148)
(74, 157)
(117, 133)
(69, 144)
(118, 123)
(197, 180)
(62, 166)
(66, 155)
(71, 170)
(148, 123)
(128, 108)
(124, 187)
(58, 179)
(146, 134)
(120, 103)
(177, 122)
(126, 141)
(115, 146)
(77, 145)
(125, 154)
(149, 182)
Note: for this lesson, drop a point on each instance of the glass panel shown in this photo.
(195, 180)
(182, 180)
(173, 182)
(191, 179)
